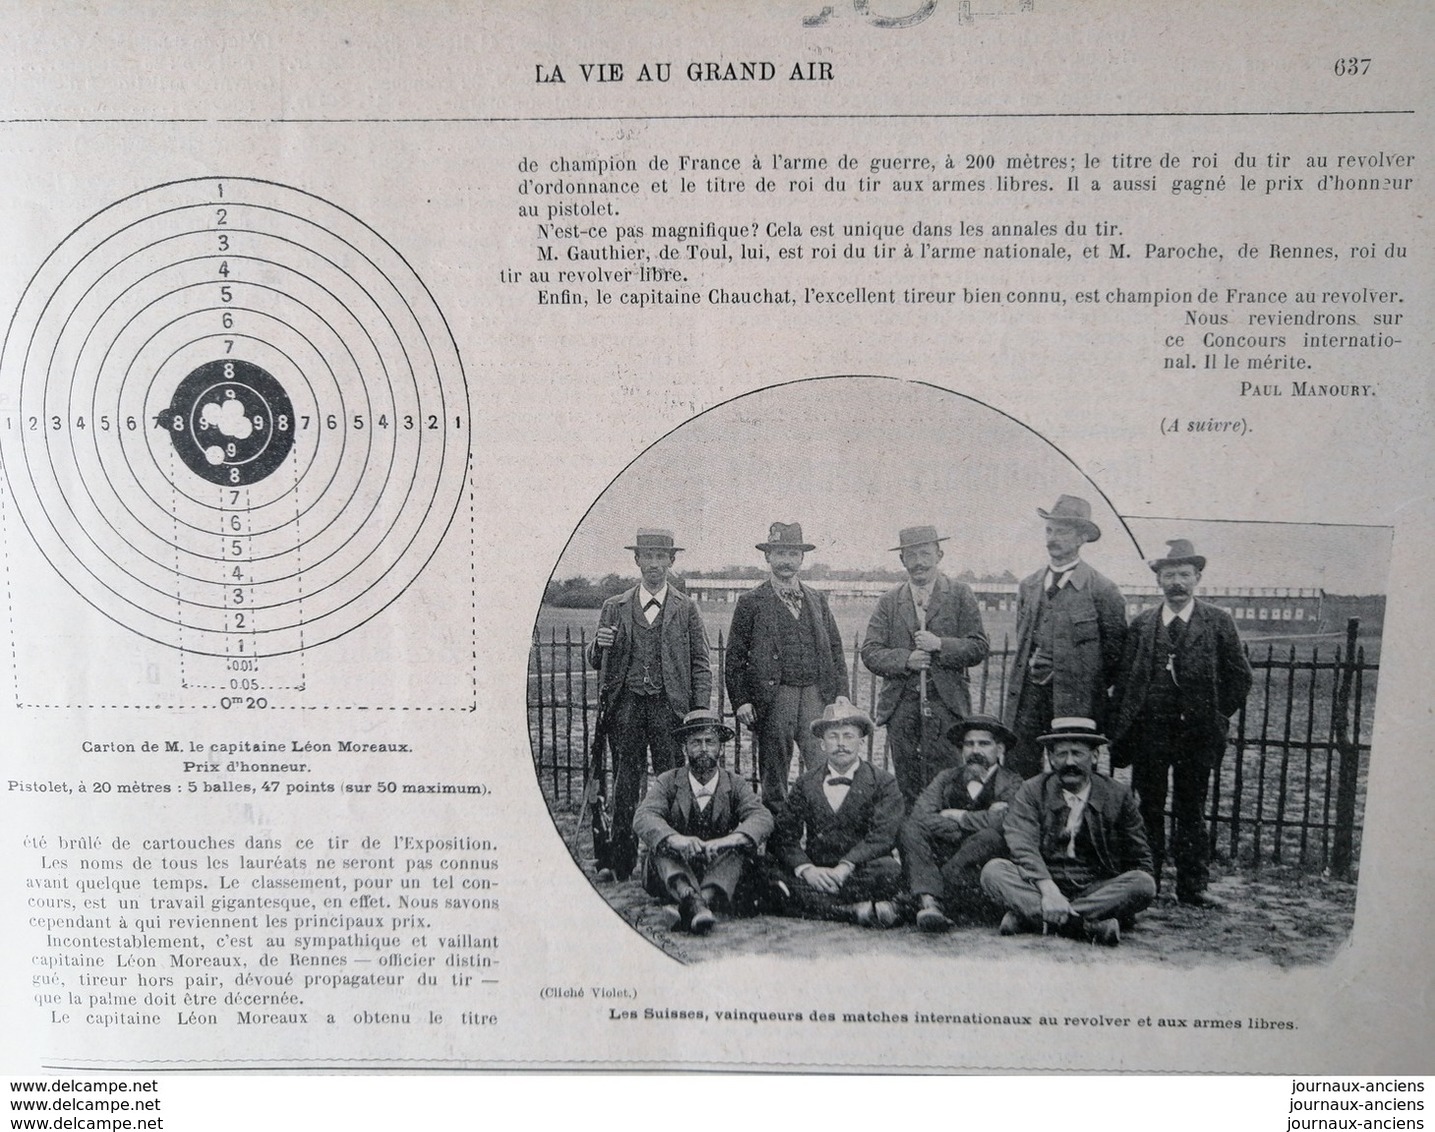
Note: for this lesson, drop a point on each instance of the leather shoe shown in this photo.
(1107, 933)
(694, 916)
(1202, 899)
(1012, 924)
(930, 917)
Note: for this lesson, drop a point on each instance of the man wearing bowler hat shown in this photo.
(955, 827)
(837, 829)
(652, 650)
(922, 638)
(784, 661)
(1183, 674)
(1080, 865)
(1070, 626)
(702, 825)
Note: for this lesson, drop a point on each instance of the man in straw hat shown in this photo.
(702, 825)
(922, 638)
(837, 828)
(1183, 674)
(652, 650)
(1080, 864)
(955, 827)
(1070, 626)
(784, 661)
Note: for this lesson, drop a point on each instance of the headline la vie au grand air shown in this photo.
(697, 72)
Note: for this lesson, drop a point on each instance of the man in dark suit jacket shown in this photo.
(955, 827)
(837, 828)
(653, 652)
(1183, 675)
(702, 826)
(784, 661)
(1071, 624)
(922, 638)
(1079, 860)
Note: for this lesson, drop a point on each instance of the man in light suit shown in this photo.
(1071, 624)
(837, 828)
(922, 638)
(784, 661)
(652, 650)
(1183, 674)
(702, 825)
(1079, 862)
(956, 826)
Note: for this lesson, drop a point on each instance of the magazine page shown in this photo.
(778, 536)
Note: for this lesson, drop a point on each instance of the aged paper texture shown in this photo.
(351, 350)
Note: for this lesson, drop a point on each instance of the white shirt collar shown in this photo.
(644, 596)
(1168, 614)
(700, 788)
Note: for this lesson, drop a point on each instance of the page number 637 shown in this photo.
(1345, 67)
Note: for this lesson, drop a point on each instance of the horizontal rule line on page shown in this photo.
(696, 118)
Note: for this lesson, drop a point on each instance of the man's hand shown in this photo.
(919, 660)
(1055, 908)
(720, 845)
(997, 807)
(747, 715)
(928, 642)
(687, 848)
(605, 636)
(830, 880)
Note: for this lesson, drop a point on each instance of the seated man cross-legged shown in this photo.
(1080, 863)
(702, 825)
(837, 828)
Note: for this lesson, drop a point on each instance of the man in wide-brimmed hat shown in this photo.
(784, 661)
(653, 652)
(955, 827)
(1183, 674)
(922, 638)
(1070, 626)
(702, 825)
(837, 828)
(1080, 865)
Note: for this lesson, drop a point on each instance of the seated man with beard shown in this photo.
(702, 825)
(955, 827)
(1080, 863)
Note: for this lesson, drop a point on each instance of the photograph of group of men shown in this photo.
(1009, 817)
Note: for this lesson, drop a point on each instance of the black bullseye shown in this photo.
(230, 422)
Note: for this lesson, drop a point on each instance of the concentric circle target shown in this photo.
(237, 423)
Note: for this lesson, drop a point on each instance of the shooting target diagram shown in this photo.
(236, 422)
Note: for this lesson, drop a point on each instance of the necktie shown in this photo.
(1176, 631)
(1055, 587)
(651, 609)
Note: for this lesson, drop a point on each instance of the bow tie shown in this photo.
(838, 780)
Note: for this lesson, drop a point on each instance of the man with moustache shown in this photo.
(837, 828)
(955, 827)
(1080, 865)
(1071, 624)
(652, 650)
(784, 661)
(702, 825)
(1183, 674)
(922, 638)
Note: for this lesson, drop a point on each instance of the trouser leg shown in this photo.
(661, 719)
(1003, 882)
(1149, 777)
(809, 707)
(1118, 897)
(629, 745)
(919, 745)
(873, 880)
(924, 849)
(1032, 718)
(1191, 846)
(961, 875)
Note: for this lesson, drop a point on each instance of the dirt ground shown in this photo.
(1277, 915)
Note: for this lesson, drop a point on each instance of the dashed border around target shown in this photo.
(314, 312)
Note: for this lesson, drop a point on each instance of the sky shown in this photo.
(854, 459)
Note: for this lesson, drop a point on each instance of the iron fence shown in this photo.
(1289, 790)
